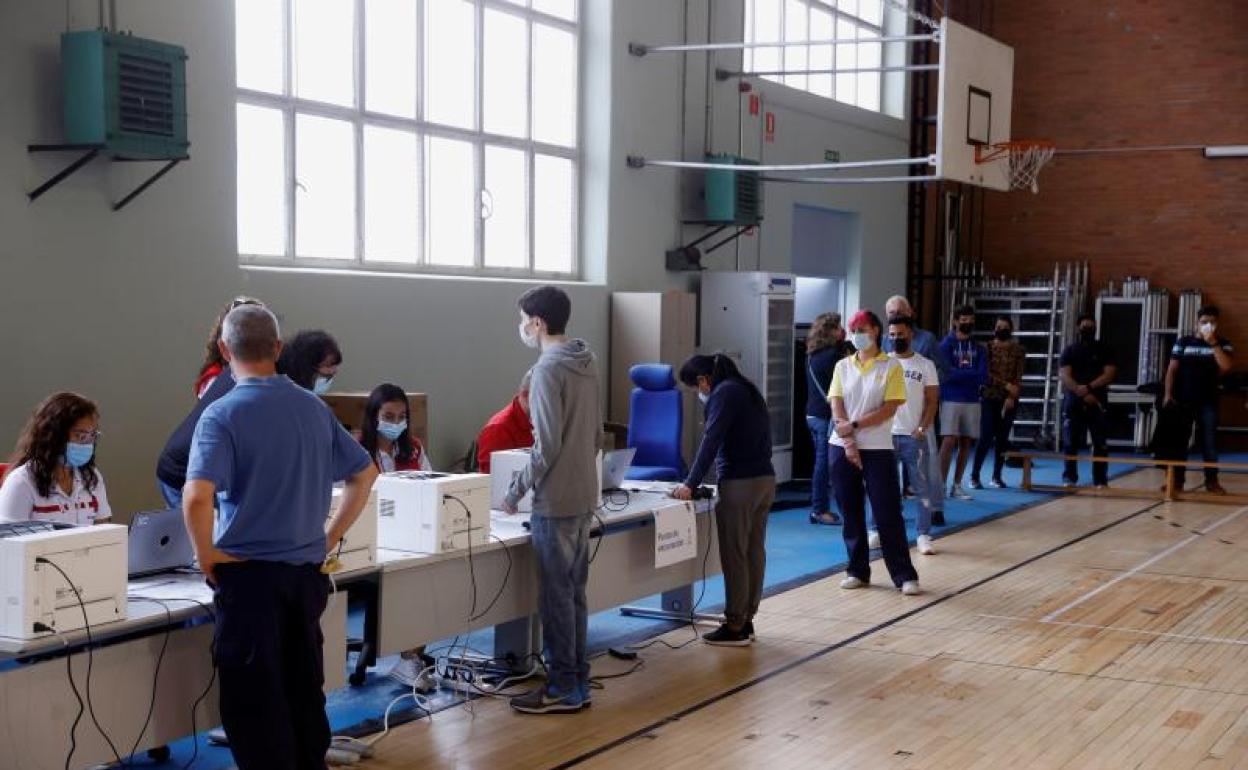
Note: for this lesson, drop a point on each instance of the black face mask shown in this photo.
(901, 345)
(1087, 335)
(966, 328)
(1004, 334)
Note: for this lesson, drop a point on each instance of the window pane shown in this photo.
(871, 11)
(324, 66)
(505, 209)
(324, 188)
(554, 204)
(795, 29)
(506, 59)
(391, 203)
(564, 9)
(846, 58)
(450, 189)
(767, 30)
(869, 55)
(450, 62)
(390, 56)
(821, 28)
(747, 55)
(554, 86)
(261, 181)
(257, 44)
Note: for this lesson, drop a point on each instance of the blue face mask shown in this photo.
(391, 430)
(78, 455)
(322, 385)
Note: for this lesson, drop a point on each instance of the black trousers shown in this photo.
(268, 655)
(1082, 419)
(877, 480)
(994, 433)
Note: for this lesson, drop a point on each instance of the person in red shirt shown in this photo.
(509, 429)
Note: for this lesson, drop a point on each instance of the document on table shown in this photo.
(675, 534)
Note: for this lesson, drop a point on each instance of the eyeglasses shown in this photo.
(239, 301)
(84, 436)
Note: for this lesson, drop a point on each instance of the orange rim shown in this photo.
(986, 153)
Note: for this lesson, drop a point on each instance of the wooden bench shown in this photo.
(1168, 493)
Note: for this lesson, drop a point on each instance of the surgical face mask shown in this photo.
(78, 455)
(966, 328)
(322, 385)
(529, 339)
(391, 430)
(1004, 334)
(704, 397)
(862, 340)
(901, 345)
(1087, 333)
(1207, 327)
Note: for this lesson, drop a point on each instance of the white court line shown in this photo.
(1143, 565)
(1184, 637)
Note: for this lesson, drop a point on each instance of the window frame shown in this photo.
(358, 116)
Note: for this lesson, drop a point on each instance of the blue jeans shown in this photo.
(878, 480)
(921, 460)
(561, 547)
(1205, 417)
(172, 495)
(820, 489)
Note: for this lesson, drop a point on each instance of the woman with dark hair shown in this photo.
(825, 345)
(54, 477)
(385, 434)
(214, 363)
(737, 437)
(311, 360)
(867, 389)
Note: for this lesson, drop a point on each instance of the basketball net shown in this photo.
(1026, 157)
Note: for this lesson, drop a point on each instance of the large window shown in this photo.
(773, 21)
(429, 135)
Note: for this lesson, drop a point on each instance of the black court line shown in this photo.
(604, 748)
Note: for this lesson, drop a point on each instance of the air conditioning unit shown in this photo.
(125, 94)
(732, 197)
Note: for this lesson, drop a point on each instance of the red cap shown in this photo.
(861, 318)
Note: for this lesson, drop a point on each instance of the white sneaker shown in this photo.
(911, 588)
(958, 493)
(873, 539)
(851, 582)
(925, 545)
(410, 672)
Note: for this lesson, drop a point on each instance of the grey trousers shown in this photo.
(741, 522)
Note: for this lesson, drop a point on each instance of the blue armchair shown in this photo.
(655, 419)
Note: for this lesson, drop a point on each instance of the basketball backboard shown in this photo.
(975, 99)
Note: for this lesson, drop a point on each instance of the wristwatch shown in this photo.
(854, 425)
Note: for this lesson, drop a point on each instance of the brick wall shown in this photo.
(1093, 73)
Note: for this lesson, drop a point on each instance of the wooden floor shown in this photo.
(1083, 633)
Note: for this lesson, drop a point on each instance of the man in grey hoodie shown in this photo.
(565, 408)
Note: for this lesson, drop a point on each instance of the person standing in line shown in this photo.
(963, 373)
(867, 390)
(825, 346)
(268, 454)
(563, 473)
(738, 439)
(1193, 387)
(1087, 369)
(923, 342)
(914, 439)
(1006, 361)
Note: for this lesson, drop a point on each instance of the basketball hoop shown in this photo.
(1026, 157)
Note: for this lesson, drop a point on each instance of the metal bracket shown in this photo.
(165, 169)
(92, 150)
(635, 161)
(637, 49)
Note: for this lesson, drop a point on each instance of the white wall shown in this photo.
(116, 306)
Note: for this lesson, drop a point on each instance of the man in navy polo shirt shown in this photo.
(1193, 386)
(269, 452)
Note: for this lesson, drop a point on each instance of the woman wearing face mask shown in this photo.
(737, 437)
(54, 477)
(1006, 360)
(385, 433)
(311, 360)
(867, 390)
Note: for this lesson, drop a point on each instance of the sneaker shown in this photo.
(938, 518)
(873, 539)
(749, 629)
(1214, 488)
(958, 493)
(997, 484)
(1069, 481)
(851, 582)
(586, 692)
(925, 545)
(911, 588)
(412, 672)
(724, 636)
(974, 484)
(1100, 485)
(547, 700)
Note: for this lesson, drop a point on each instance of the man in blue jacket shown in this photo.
(964, 370)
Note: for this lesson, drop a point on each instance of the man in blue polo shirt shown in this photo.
(269, 452)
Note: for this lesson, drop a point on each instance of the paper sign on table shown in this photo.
(675, 534)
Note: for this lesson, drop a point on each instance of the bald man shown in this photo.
(924, 342)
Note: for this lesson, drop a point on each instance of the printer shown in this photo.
(427, 512)
(32, 591)
(505, 465)
(359, 545)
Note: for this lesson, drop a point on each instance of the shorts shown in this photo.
(959, 419)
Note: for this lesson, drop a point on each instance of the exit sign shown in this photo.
(831, 156)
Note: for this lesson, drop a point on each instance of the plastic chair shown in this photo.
(655, 418)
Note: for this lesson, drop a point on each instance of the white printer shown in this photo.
(427, 512)
(359, 545)
(33, 592)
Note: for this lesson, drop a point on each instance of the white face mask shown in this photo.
(322, 385)
(1207, 328)
(530, 340)
(862, 340)
(704, 397)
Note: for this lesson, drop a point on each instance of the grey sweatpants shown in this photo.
(741, 521)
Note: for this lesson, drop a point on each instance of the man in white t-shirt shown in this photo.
(913, 437)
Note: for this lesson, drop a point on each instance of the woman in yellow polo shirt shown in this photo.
(867, 389)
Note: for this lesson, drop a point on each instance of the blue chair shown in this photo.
(655, 418)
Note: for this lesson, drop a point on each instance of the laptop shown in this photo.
(615, 465)
(158, 543)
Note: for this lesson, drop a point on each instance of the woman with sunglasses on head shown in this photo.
(214, 363)
(54, 477)
(311, 359)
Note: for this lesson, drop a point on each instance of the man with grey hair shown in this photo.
(511, 428)
(270, 452)
(924, 342)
